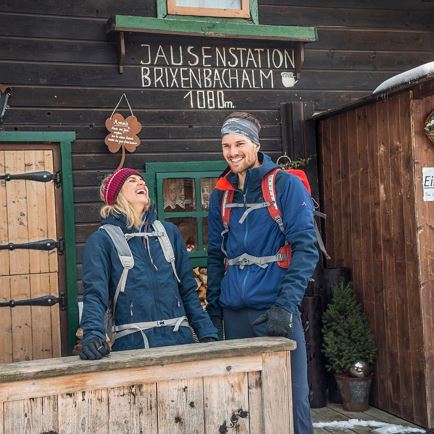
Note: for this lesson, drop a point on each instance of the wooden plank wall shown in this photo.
(62, 68)
(424, 157)
(368, 195)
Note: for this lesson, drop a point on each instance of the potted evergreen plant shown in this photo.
(349, 347)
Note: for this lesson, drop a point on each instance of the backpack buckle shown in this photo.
(161, 323)
(284, 253)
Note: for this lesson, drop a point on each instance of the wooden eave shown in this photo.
(420, 88)
(213, 29)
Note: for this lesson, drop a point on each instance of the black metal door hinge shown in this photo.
(37, 245)
(35, 176)
(46, 300)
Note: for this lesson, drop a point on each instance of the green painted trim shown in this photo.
(37, 136)
(125, 23)
(69, 236)
(198, 262)
(64, 139)
(161, 8)
(254, 12)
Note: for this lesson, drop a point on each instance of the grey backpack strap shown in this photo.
(166, 245)
(125, 256)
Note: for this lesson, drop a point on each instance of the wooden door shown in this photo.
(30, 212)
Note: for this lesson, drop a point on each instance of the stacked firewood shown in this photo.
(201, 277)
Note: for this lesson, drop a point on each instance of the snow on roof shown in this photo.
(406, 77)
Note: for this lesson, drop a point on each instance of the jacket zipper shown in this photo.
(148, 258)
(246, 232)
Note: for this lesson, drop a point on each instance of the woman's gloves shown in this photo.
(94, 349)
(278, 322)
(204, 340)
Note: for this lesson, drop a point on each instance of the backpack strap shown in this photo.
(125, 256)
(225, 211)
(268, 186)
(128, 329)
(227, 199)
(166, 245)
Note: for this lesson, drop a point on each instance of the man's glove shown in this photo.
(218, 324)
(94, 349)
(207, 340)
(278, 322)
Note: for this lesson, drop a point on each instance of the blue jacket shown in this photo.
(151, 293)
(259, 235)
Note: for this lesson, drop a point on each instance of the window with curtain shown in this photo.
(181, 193)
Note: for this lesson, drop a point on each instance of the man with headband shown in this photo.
(257, 269)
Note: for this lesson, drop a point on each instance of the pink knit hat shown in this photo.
(114, 183)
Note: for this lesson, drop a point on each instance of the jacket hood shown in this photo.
(118, 219)
(229, 180)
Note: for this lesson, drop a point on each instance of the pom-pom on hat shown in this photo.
(114, 183)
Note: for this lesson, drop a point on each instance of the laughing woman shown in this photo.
(154, 302)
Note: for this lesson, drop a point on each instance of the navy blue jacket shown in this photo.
(259, 235)
(151, 293)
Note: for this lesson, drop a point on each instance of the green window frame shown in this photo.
(211, 14)
(155, 176)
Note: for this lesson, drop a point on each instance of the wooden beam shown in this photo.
(35, 369)
(125, 23)
(20, 390)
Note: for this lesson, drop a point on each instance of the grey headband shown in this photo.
(241, 126)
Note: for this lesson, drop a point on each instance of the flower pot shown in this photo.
(429, 131)
(354, 392)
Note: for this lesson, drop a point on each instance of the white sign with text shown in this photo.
(428, 183)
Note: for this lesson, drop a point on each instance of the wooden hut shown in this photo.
(375, 183)
(66, 65)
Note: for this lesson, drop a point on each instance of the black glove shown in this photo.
(218, 324)
(208, 340)
(278, 322)
(94, 349)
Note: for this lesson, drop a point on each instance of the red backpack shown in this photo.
(268, 186)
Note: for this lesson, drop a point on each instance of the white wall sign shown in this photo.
(428, 183)
(205, 72)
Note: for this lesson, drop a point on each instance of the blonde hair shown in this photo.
(121, 206)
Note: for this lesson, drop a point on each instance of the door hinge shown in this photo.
(46, 300)
(42, 176)
(37, 245)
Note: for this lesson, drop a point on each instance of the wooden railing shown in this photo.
(241, 386)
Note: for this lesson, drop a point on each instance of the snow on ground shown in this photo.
(378, 427)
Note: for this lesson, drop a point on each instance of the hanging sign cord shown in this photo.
(280, 160)
(117, 105)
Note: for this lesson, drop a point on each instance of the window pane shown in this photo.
(212, 4)
(179, 194)
(187, 227)
(206, 186)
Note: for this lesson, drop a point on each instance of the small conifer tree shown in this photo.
(347, 337)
